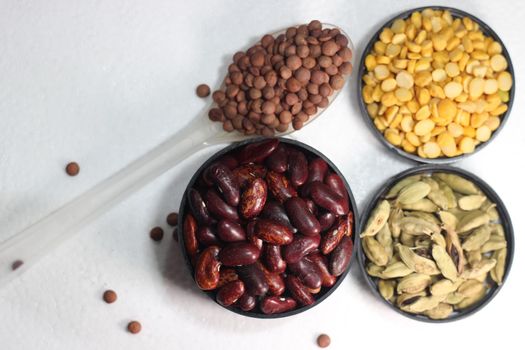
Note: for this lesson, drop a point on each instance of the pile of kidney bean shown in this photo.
(268, 226)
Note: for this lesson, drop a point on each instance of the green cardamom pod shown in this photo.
(413, 193)
(413, 283)
(477, 238)
(440, 312)
(485, 265)
(472, 220)
(415, 262)
(448, 219)
(424, 204)
(394, 191)
(498, 272)
(377, 219)
(495, 242)
(471, 202)
(374, 251)
(444, 287)
(395, 270)
(386, 288)
(374, 270)
(416, 226)
(423, 304)
(384, 237)
(444, 262)
(458, 183)
(454, 249)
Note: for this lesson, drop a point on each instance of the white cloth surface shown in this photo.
(103, 82)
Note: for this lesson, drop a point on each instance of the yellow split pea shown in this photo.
(436, 85)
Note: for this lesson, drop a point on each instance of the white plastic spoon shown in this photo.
(21, 251)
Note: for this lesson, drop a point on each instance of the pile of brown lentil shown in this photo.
(283, 80)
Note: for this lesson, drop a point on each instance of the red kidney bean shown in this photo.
(237, 254)
(254, 280)
(314, 290)
(218, 207)
(278, 161)
(189, 232)
(300, 247)
(301, 217)
(326, 198)
(246, 173)
(222, 176)
(331, 239)
(251, 237)
(275, 211)
(206, 236)
(298, 291)
(226, 275)
(207, 268)
(297, 167)
(279, 186)
(275, 281)
(253, 198)
(337, 184)
(198, 207)
(305, 190)
(317, 169)
(230, 161)
(230, 293)
(340, 257)
(327, 280)
(311, 206)
(272, 232)
(308, 273)
(277, 305)
(247, 302)
(326, 220)
(258, 151)
(272, 258)
(229, 231)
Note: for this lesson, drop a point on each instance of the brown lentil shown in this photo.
(109, 296)
(134, 327)
(323, 341)
(72, 169)
(156, 234)
(203, 90)
(267, 86)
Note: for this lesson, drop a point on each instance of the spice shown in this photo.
(203, 90)
(109, 296)
(72, 169)
(323, 341)
(440, 247)
(172, 219)
(282, 81)
(134, 327)
(156, 234)
(16, 264)
(435, 85)
(294, 239)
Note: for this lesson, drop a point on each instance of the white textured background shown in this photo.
(102, 82)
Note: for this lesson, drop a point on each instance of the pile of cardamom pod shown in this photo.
(435, 245)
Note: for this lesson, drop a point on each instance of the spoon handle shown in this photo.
(22, 250)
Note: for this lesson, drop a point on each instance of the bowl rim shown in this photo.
(487, 30)
(487, 190)
(301, 145)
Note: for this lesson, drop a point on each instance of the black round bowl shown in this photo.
(308, 150)
(504, 220)
(362, 70)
